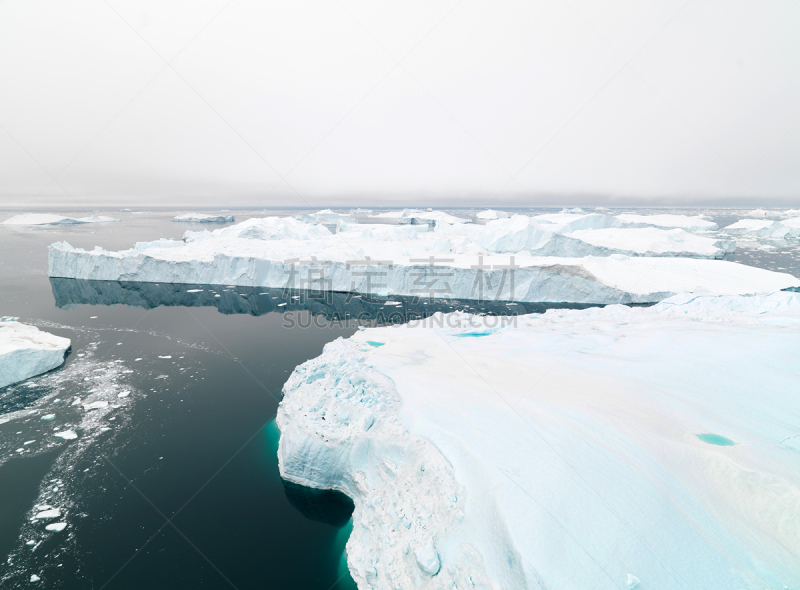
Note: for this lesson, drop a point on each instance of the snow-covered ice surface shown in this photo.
(26, 351)
(49, 219)
(667, 220)
(764, 228)
(563, 450)
(203, 218)
(453, 261)
(491, 214)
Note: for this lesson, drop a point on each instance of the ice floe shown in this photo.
(518, 258)
(562, 450)
(26, 351)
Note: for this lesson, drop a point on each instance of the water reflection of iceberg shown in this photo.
(257, 301)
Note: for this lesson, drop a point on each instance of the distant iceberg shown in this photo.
(491, 214)
(203, 218)
(26, 351)
(764, 228)
(564, 450)
(48, 219)
(514, 259)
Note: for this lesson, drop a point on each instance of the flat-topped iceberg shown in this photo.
(764, 228)
(605, 448)
(687, 222)
(203, 218)
(511, 259)
(49, 219)
(26, 351)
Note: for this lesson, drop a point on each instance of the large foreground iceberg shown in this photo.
(611, 448)
(505, 260)
(26, 351)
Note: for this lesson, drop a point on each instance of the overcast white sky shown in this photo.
(211, 102)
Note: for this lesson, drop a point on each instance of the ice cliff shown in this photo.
(605, 448)
(516, 259)
(26, 351)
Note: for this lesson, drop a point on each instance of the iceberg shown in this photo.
(650, 241)
(491, 214)
(764, 228)
(664, 220)
(562, 450)
(203, 218)
(26, 351)
(48, 219)
(413, 216)
(513, 259)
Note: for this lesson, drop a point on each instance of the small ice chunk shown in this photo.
(35, 578)
(98, 405)
(135, 360)
(28, 442)
(52, 513)
(56, 527)
(428, 559)
(166, 356)
(66, 435)
(194, 291)
(30, 543)
(48, 417)
(123, 393)
(632, 582)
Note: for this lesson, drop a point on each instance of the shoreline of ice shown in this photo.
(564, 448)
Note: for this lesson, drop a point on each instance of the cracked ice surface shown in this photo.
(562, 450)
(609, 264)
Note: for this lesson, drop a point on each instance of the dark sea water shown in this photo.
(177, 486)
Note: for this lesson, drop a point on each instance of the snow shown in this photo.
(687, 222)
(26, 351)
(450, 262)
(66, 435)
(651, 241)
(561, 450)
(203, 218)
(491, 214)
(56, 527)
(49, 219)
(763, 228)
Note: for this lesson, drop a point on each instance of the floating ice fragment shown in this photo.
(194, 291)
(56, 527)
(632, 582)
(166, 356)
(35, 578)
(28, 442)
(66, 435)
(98, 405)
(31, 542)
(137, 360)
(52, 513)
(123, 394)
